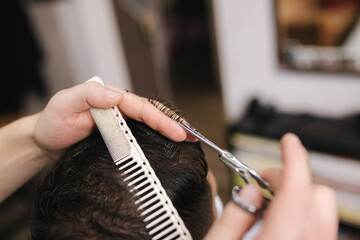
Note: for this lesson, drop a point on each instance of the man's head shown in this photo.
(84, 196)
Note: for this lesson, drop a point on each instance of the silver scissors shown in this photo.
(234, 164)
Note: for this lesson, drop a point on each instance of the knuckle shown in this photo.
(325, 192)
(58, 96)
(90, 85)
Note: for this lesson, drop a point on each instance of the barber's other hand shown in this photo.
(299, 210)
(67, 119)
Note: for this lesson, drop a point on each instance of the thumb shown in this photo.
(84, 96)
(235, 221)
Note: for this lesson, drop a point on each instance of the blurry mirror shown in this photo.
(319, 35)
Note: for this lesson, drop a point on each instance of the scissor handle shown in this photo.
(244, 171)
(247, 207)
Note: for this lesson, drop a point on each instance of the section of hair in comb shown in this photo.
(167, 109)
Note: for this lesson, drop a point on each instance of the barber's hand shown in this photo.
(299, 210)
(67, 119)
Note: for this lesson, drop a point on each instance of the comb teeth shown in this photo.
(159, 219)
(158, 213)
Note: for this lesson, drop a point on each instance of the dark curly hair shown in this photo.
(84, 196)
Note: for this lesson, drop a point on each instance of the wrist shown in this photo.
(40, 150)
(21, 157)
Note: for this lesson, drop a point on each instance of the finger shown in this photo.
(84, 96)
(294, 194)
(326, 212)
(140, 109)
(235, 221)
(273, 176)
(295, 159)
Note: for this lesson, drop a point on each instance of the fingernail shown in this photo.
(192, 139)
(113, 94)
(293, 139)
(250, 195)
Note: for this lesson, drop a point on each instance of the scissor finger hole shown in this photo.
(238, 201)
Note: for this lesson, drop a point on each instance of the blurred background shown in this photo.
(242, 72)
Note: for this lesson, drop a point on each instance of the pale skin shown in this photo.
(31, 143)
(299, 210)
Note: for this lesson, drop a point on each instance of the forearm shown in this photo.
(20, 157)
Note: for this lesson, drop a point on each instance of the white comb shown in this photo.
(160, 216)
